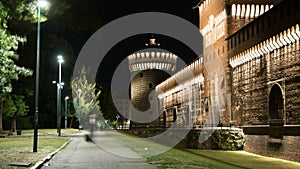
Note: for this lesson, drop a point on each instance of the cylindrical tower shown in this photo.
(149, 67)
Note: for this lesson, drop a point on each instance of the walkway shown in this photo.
(106, 154)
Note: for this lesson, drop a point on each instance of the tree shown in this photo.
(107, 105)
(85, 96)
(9, 71)
(13, 107)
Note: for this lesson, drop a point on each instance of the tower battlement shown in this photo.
(152, 59)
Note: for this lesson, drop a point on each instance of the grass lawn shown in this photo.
(20, 148)
(50, 131)
(179, 159)
(166, 157)
(247, 160)
(202, 159)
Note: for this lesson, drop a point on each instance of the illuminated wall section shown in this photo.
(256, 70)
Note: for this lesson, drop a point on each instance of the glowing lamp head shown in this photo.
(60, 59)
(42, 4)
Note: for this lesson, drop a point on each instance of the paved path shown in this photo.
(105, 153)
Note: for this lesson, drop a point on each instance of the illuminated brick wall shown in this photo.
(268, 57)
(141, 86)
(220, 19)
(252, 82)
(181, 97)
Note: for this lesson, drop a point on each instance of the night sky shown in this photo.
(110, 10)
(113, 9)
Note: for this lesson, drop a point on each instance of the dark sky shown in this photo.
(113, 9)
(109, 10)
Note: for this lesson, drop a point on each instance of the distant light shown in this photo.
(42, 4)
(60, 59)
(67, 97)
(54, 82)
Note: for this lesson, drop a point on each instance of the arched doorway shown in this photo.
(276, 120)
(276, 102)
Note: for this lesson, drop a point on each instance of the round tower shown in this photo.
(149, 67)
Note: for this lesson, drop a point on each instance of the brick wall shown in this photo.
(252, 82)
(287, 148)
(141, 86)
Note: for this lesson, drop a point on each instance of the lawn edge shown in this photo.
(40, 163)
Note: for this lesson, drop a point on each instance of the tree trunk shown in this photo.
(14, 124)
(71, 122)
(1, 108)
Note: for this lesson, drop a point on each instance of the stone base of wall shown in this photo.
(286, 148)
(216, 139)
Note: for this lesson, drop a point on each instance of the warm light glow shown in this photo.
(238, 10)
(42, 4)
(262, 9)
(233, 10)
(293, 33)
(252, 11)
(248, 9)
(243, 10)
(256, 11)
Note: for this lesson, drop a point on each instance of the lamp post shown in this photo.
(66, 110)
(40, 4)
(79, 109)
(59, 87)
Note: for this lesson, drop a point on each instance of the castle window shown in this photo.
(150, 85)
(141, 74)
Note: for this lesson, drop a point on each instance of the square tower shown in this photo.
(219, 19)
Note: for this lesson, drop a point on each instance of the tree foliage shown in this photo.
(108, 108)
(13, 107)
(9, 43)
(85, 96)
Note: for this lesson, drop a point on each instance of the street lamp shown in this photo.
(59, 87)
(66, 110)
(79, 109)
(40, 4)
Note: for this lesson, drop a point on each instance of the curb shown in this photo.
(49, 156)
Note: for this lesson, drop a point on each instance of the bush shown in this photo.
(225, 139)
